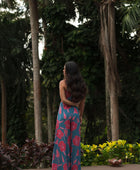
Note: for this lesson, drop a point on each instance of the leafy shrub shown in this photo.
(30, 155)
(99, 155)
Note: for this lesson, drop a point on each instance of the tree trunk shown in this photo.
(3, 111)
(108, 48)
(36, 69)
(49, 116)
(108, 115)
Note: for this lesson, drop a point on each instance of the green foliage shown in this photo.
(130, 16)
(15, 65)
(100, 154)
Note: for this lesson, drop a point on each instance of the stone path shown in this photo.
(123, 167)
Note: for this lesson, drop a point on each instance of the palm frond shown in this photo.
(130, 16)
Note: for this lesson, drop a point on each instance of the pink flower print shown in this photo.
(77, 154)
(74, 167)
(54, 166)
(59, 134)
(56, 142)
(65, 167)
(62, 146)
(75, 110)
(77, 120)
(76, 140)
(62, 159)
(65, 106)
(73, 126)
(53, 156)
(60, 110)
(65, 116)
(79, 163)
(67, 124)
(57, 124)
(57, 153)
(66, 132)
(74, 162)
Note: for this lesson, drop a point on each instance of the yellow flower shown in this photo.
(138, 144)
(108, 149)
(121, 142)
(87, 150)
(84, 155)
(97, 155)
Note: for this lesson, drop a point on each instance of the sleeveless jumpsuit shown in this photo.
(66, 151)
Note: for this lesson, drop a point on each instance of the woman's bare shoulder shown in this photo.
(62, 83)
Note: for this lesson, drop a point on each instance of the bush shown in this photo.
(99, 155)
(30, 155)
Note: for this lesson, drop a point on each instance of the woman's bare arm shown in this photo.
(81, 108)
(62, 87)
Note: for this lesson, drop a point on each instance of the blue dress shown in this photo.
(66, 152)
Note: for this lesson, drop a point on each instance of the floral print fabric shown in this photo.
(66, 152)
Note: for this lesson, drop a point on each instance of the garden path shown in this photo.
(123, 167)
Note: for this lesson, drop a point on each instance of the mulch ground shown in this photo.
(123, 167)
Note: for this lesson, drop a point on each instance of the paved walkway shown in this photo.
(123, 167)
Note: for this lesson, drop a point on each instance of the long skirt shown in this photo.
(66, 152)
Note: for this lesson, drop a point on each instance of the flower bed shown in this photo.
(100, 154)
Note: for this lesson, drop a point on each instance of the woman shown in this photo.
(72, 89)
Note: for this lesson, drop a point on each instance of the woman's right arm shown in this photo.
(62, 88)
(81, 108)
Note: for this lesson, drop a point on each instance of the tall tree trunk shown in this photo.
(108, 115)
(36, 69)
(3, 111)
(49, 116)
(108, 48)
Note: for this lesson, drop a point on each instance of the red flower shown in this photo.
(74, 167)
(59, 134)
(76, 140)
(62, 146)
(73, 126)
(54, 166)
(67, 124)
(65, 167)
(57, 153)
(57, 124)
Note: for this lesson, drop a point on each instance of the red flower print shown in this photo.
(67, 124)
(57, 124)
(73, 126)
(74, 167)
(54, 166)
(60, 110)
(66, 132)
(53, 156)
(62, 159)
(57, 153)
(77, 154)
(62, 146)
(59, 134)
(65, 106)
(75, 110)
(65, 116)
(76, 140)
(65, 167)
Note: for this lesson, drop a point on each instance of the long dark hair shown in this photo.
(74, 81)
